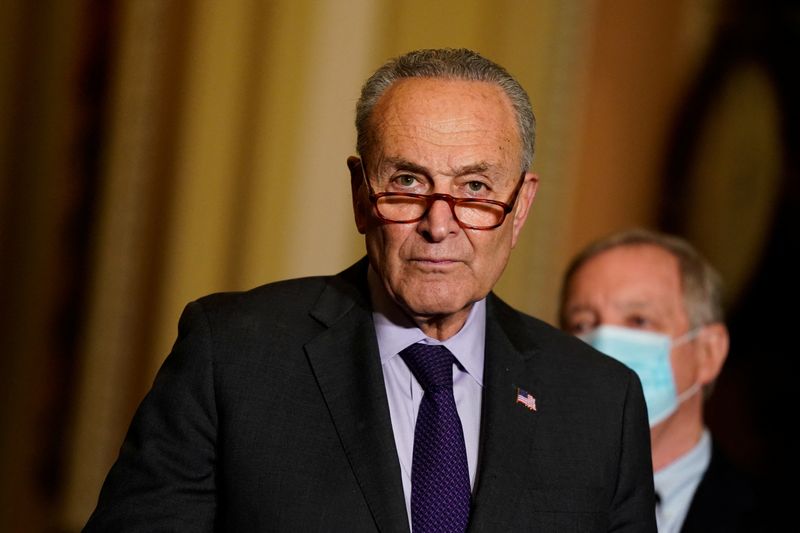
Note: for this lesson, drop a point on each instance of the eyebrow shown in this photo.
(579, 308)
(635, 305)
(400, 163)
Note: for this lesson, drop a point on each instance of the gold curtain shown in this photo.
(223, 159)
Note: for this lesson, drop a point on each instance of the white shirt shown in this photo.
(396, 331)
(677, 482)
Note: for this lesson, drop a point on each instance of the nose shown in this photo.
(438, 222)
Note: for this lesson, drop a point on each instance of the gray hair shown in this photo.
(452, 64)
(700, 282)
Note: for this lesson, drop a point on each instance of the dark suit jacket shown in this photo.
(270, 414)
(724, 502)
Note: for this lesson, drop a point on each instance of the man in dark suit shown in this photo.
(310, 404)
(651, 301)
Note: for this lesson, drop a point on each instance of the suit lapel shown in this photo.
(346, 364)
(507, 428)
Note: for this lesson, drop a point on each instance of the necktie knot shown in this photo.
(431, 364)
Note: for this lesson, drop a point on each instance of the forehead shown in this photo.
(643, 274)
(447, 113)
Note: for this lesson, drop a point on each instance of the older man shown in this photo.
(651, 301)
(400, 393)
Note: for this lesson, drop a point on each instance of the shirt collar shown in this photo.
(687, 469)
(395, 330)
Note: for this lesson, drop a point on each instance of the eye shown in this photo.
(406, 183)
(578, 325)
(639, 321)
(476, 189)
(405, 180)
(580, 328)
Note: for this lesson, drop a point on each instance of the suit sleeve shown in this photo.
(164, 477)
(633, 506)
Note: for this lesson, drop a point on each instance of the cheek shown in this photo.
(490, 254)
(683, 367)
(385, 242)
(375, 248)
(494, 248)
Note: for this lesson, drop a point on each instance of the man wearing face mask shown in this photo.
(651, 301)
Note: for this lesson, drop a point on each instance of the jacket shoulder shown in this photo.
(555, 348)
(285, 300)
(268, 299)
(725, 500)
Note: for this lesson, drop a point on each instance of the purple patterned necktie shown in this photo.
(440, 491)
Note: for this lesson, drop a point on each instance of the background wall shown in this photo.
(152, 151)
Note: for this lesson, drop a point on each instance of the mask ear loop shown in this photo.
(683, 339)
(688, 393)
(686, 337)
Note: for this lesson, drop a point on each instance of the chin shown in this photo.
(432, 306)
(433, 311)
(436, 295)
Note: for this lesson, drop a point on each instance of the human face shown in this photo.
(441, 136)
(638, 287)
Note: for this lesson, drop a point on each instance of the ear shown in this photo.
(358, 194)
(713, 344)
(523, 206)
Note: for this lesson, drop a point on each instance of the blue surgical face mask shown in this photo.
(646, 353)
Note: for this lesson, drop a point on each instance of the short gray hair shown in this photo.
(700, 282)
(452, 64)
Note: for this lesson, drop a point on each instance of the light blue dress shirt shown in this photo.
(395, 331)
(677, 482)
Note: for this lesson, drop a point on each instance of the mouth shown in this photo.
(431, 263)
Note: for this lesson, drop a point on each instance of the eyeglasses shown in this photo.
(470, 213)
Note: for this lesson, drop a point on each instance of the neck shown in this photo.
(678, 434)
(439, 327)
(442, 327)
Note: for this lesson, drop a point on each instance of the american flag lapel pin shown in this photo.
(524, 397)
